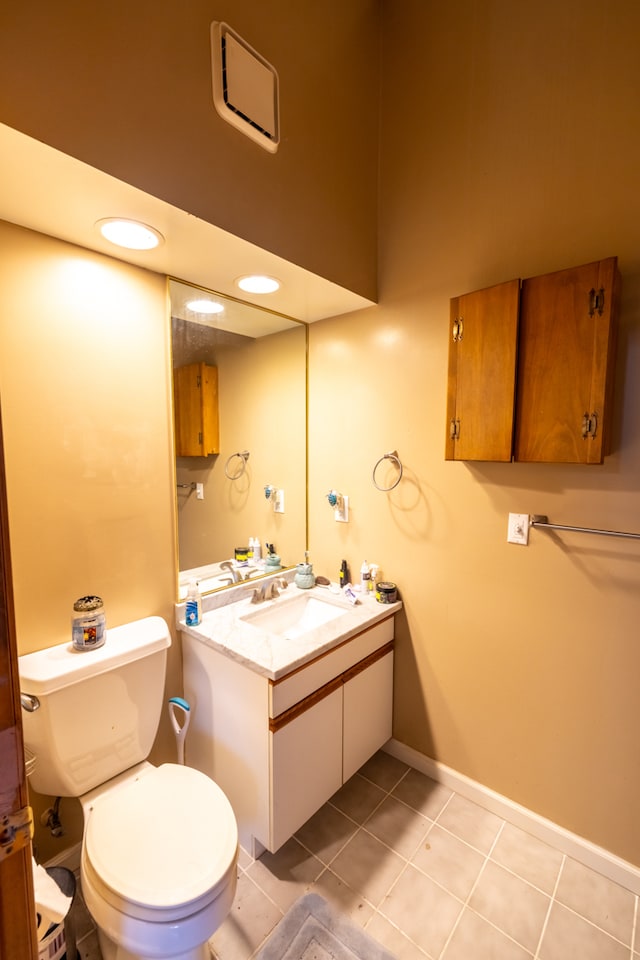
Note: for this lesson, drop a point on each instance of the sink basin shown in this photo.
(294, 618)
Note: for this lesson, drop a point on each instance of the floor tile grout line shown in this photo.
(475, 883)
(379, 912)
(552, 900)
(593, 924)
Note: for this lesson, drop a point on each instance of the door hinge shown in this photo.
(16, 831)
(596, 301)
(454, 429)
(458, 329)
(589, 426)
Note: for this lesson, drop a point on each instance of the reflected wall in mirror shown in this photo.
(254, 380)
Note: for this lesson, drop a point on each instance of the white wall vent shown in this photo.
(245, 87)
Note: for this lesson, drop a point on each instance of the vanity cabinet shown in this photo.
(195, 398)
(531, 368)
(318, 744)
(281, 748)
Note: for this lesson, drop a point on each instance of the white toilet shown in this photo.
(160, 844)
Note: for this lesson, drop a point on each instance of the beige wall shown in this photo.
(513, 150)
(84, 387)
(127, 88)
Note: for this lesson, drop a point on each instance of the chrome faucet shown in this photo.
(268, 591)
(235, 572)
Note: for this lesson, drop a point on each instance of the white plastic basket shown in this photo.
(54, 945)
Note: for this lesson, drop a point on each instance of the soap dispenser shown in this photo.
(193, 607)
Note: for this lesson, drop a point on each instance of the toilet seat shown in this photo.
(164, 844)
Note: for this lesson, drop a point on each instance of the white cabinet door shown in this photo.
(368, 706)
(306, 766)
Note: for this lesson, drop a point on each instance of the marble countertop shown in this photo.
(273, 655)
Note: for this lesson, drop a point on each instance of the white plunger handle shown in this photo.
(180, 731)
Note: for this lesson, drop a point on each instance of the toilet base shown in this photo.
(111, 951)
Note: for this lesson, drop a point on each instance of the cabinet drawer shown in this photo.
(289, 690)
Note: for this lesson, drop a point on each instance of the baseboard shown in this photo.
(591, 855)
(69, 858)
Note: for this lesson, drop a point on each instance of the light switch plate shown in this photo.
(518, 529)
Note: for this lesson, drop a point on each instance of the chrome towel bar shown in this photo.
(539, 520)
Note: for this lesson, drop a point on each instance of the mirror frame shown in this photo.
(170, 353)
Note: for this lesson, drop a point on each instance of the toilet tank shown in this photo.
(98, 710)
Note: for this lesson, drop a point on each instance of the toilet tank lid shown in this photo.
(56, 667)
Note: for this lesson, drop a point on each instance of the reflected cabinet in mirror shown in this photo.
(240, 415)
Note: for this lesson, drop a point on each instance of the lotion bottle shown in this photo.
(365, 576)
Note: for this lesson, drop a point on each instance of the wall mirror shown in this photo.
(240, 426)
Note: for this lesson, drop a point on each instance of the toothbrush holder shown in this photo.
(304, 577)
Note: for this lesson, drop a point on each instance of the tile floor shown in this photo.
(429, 875)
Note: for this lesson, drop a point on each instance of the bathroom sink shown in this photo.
(294, 618)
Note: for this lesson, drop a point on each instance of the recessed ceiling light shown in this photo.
(129, 233)
(258, 284)
(204, 306)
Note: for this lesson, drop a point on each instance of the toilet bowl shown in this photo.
(160, 845)
(158, 865)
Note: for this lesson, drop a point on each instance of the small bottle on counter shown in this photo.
(365, 577)
(193, 606)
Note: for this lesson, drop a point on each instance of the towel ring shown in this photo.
(388, 456)
(244, 456)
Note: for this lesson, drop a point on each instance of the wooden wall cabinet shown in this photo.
(482, 373)
(531, 368)
(195, 398)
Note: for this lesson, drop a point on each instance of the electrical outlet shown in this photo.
(518, 529)
(278, 501)
(199, 491)
(341, 513)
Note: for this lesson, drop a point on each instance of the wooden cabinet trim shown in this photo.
(307, 703)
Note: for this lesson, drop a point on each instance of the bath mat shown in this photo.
(313, 930)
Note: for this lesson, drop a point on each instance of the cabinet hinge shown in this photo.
(589, 426)
(596, 301)
(16, 831)
(198, 381)
(454, 429)
(200, 437)
(458, 329)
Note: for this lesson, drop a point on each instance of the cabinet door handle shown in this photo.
(596, 301)
(589, 426)
(458, 329)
